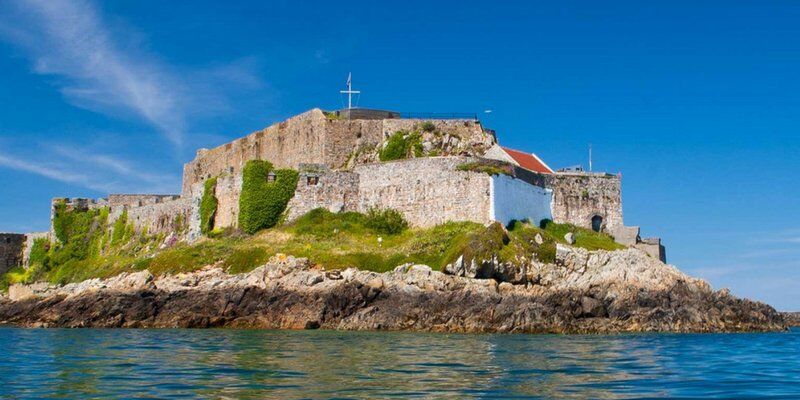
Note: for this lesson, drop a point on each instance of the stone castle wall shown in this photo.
(11, 246)
(153, 213)
(299, 139)
(336, 191)
(428, 191)
(579, 197)
(135, 200)
(162, 217)
(313, 138)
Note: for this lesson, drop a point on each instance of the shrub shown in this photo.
(208, 206)
(261, 202)
(323, 223)
(402, 145)
(428, 126)
(388, 221)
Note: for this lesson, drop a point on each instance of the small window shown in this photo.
(8, 240)
(230, 170)
(312, 180)
(271, 177)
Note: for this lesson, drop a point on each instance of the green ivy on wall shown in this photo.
(39, 252)
(122, 230)
(262, 202)
(208, 206)
(79, 232)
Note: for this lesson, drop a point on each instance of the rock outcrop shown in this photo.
(583, 292)
(792, 318)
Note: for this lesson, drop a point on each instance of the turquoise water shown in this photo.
(99, 363)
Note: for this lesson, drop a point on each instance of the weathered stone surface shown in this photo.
(613, 293)
(11, 250)
(570, 238)
(792, 318)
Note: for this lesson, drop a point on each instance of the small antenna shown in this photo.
(590, 157)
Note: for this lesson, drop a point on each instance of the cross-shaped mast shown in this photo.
(350, 91)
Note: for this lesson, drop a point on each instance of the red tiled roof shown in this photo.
(528, 161)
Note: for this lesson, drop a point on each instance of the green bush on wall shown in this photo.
(262, 203)
(208, 206)
(402, 145)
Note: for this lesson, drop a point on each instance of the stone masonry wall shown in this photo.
(162, 217)
(312, 138)
(336, 191)
(428, 191)
(299, 139)
(11, 245)
(135, 200)
(579, 197)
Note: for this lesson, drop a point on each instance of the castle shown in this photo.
(338, 157)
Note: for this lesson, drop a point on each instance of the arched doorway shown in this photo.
(597, 223)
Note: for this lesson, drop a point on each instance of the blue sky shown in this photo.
(696, 103)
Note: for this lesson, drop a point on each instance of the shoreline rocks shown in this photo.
(583, 292)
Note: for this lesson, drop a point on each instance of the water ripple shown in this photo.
(324, 364)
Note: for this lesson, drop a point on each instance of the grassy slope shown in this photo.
(333, 241)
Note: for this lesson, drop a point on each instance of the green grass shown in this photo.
(585, 238)
(331, 240)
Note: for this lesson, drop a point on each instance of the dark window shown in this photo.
(312, 180)
(597, 223)
(8, 240)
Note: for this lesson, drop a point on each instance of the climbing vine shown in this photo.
(208, 206)
(262, 202)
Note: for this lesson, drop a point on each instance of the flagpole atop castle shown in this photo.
(350, 92)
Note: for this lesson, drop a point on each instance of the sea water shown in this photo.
(226, 363)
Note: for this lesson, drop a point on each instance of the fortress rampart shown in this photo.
(313, 138)
(340, 170)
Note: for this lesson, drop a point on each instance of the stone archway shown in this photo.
(597, 223)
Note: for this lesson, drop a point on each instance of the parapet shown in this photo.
(137, 200)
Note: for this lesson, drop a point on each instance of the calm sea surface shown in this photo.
(94, 363)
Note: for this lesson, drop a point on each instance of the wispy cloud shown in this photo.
(97, 69)
(48, 171)
(90, 169)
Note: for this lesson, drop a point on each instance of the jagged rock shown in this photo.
(570, 238)
(582, 292)
(538, 239)
(333, 274)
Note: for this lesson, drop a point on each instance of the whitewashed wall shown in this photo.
(515, 199)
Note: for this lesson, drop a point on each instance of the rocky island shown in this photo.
(363, 220)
